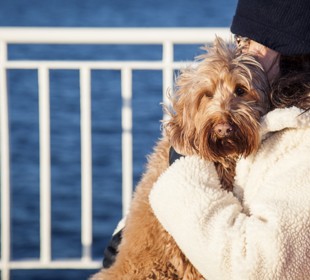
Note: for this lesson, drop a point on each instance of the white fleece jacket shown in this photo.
(262, 231)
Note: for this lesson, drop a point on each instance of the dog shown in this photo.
(215, 113)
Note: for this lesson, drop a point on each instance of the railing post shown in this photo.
(86, 162)
(5, 167)
(168, 58)
(127, 184)
(45, 165)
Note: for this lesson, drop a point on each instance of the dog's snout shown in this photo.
(223, 129)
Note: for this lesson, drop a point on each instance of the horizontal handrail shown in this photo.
(111, 35)
(113, 65)
(56, 264)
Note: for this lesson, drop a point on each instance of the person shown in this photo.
(261, 229)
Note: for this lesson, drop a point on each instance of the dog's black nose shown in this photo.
(223, 129)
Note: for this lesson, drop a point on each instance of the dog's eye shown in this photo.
(208, 94)
(239, 91)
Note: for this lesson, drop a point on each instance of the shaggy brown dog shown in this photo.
(215, 113)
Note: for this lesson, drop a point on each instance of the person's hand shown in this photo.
(268, 58)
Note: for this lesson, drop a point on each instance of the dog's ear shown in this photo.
(181, 134)
(180, 128)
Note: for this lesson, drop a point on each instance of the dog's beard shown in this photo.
(241, 141)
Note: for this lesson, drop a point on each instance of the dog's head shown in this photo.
(217, 104)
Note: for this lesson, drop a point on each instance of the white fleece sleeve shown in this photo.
(185, 199)
(210, 227)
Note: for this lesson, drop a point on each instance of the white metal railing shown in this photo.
(167, 37)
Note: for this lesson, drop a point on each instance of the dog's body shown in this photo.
(216, 113)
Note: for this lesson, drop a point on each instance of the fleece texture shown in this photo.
(262, 230)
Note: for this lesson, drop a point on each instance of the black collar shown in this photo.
(173, 155)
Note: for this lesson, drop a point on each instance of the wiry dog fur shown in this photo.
(215, 113)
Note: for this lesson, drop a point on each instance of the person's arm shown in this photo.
(221, 241)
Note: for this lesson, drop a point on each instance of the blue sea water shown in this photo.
(65, 117)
